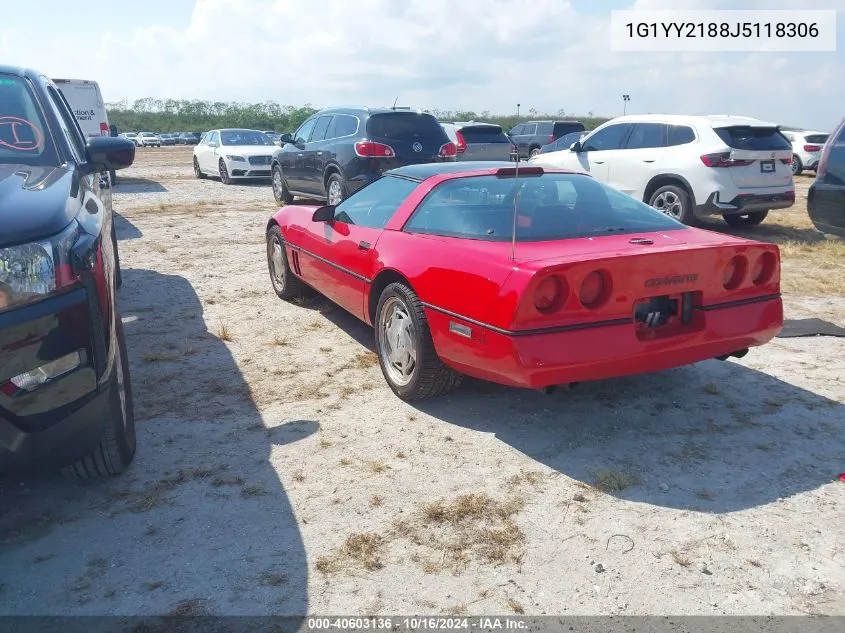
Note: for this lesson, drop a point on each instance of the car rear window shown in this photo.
(24, 137)
(819, 139)
(549, 207)
(567, 127)
(753, 138)
(484, 134)
(404, 125)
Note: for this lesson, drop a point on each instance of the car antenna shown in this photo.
(515, 205)
(395, 101)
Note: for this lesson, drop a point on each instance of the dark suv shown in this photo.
(65, 396)
(826, 197)
(530, 136)
(337, 151)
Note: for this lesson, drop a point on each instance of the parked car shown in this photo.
(806, 149)
(564, 142)
(189, 138)
(168, 139)
(337, 151)
(480, 141)
(536, 306)
(232, 154)
(530, 136)
(65, 393)
(148, 139)
(273, 136)
(826, 197)
(689, 167)
(132, 136)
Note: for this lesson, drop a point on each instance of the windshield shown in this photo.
(243, 137)
(549, 207)
(24, 138)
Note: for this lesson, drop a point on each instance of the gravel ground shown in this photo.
(277, 473)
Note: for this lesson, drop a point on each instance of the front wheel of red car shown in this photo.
(285, 284)
(406, 353)
(116, 449)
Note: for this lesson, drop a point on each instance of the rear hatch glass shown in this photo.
(415, 137)
(818, 139)
(765, 152)
(484, 134)
(567, 127)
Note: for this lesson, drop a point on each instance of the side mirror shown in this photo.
(323, 214)
(285, 138)
(108, 153)
(576, 147)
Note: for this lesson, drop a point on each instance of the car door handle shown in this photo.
(599, 162)
(319, 153)
(646, 160)
(364, 246)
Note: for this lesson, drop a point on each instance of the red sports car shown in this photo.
(525, 277)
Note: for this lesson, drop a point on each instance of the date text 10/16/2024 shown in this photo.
(420, 623)
(723, 31)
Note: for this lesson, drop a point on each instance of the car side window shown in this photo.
(516, 131)
(680, 135)
(214, 139)
(66, 125)
(303, 134)
(320, 129)
(373, 205)
(345, 125)
(529, 129)
(609, 138)
(647, 136)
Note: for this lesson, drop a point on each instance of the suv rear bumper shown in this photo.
(746, 203)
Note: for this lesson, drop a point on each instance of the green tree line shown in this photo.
(174, 115)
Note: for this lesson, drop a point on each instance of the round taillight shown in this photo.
(594, 289)
(734, 272)
(548, 294)
(764, 269)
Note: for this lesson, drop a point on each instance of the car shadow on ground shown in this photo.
(715, 437)
(771, 232)
(125, 229)
(135, 184)
(200, 523)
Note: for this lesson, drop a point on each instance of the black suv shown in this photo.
(337, 151)
(530, 136)
(65, 396)
(826, 197)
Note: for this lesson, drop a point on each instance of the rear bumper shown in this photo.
(746, 203)
(596, 353)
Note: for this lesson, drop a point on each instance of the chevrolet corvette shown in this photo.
(524, 276)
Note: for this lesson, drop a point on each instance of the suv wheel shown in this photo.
(117, 433)
(746, 219)
(280, 188)
(335, 190)
(675, 202)
(534, 152)
(797, 167)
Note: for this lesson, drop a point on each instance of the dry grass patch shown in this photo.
(272, 579)
(612, 481)
(711, 389)
(514, 606)
(199, 207)
(224, 333)
(376, 501)
(525, 477)
(472, 526)
(360, 550)
(281, 341)
(681, 558)
(298, 475)
(156, 494)
(378, 467)
(158, 357)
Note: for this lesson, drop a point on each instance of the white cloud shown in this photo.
(472, 54)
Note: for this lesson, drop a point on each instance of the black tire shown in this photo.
(118, 277)
(113, 177)
(197, 171)
(675, 202)
(117, 436)
(797, 166)
(224, 173)
(285, 284)
(280, 187)
(745, 219)
(335, 183)
(429, 377)
(534, 152)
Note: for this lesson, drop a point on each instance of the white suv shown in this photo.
(806, 149)
(148, 139)
(689, 166)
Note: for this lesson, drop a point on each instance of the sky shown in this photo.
(546, 55)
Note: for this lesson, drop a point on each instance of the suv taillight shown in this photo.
(448, 150)
(462, 144)
(551, 138)
(812, 148)
(371, 149)
(723, 160)
(104, 129)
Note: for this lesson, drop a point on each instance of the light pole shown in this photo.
(625, 100)
(517, 112)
